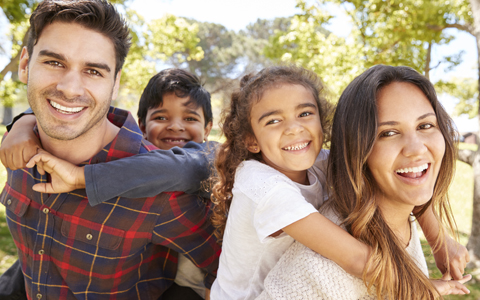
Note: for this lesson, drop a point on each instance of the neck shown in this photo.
(397, 217)
(83, 147)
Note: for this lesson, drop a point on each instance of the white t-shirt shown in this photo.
(264, 201)
(302, 274)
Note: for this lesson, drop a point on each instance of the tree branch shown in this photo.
(468, 28)
(467, 156)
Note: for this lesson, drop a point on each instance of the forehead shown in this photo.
(77, 43)
(401, 100)
(170, 99)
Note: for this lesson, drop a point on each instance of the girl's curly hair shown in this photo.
(236, 126)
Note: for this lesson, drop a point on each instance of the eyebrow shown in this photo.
(396, 123)
(61, 57)
(278, 111)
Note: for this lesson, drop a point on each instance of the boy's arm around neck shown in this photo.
(149, 174)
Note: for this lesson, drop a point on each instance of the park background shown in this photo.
(220, 40)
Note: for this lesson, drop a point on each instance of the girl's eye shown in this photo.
(191, 119)
(274, 121)
(387, 133)
(305, 114)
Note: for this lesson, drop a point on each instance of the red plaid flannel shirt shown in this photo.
(121, 249)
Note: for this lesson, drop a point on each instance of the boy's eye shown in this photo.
(160, 118)
(305, 114)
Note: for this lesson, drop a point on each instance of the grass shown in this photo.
(461, 197)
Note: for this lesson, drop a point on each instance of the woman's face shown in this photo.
(408, 150)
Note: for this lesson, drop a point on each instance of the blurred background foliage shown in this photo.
(392, 32)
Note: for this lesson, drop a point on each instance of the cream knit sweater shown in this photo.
(302, 274)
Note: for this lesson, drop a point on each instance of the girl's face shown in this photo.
(288, 133)
(409, 148)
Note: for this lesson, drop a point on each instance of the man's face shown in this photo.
(70, 79)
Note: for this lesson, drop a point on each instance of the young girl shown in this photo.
(393, 150)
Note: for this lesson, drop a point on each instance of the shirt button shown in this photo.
(9, 202)
(45, 211)
(39, 296)
(89, 236)
(41, 252)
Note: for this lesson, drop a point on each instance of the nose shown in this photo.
(176, 125)
(71, 84)
(293, 127)
(414, 145)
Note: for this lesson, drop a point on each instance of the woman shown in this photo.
(393, 151)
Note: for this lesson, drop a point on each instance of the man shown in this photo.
(68, 249)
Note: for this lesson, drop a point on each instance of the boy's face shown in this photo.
(174, 123)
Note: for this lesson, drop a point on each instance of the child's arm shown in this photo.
(20, 144)
(326, 238)
(457, 253)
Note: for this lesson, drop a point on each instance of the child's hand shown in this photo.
(451, 287)
(20, 144)
(458, 258)
(66, 177)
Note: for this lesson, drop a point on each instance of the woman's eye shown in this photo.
(426, 126)
(387, 133)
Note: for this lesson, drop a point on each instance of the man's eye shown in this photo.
(54, 63)
(94, 72)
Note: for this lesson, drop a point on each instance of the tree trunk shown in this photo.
(7, 115)
(474, 240)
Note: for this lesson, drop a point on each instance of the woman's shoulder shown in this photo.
(302, 273)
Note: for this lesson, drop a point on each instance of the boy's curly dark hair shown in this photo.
(236, 126)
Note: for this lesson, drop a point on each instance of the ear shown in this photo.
(23, 66)
(117, 85)
(252, 145)
(208, 128)
(142, 128)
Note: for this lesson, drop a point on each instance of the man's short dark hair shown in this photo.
(97, 15)
(183, 84)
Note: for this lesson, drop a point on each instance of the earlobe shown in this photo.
(208, 128)
(252, 145)
(23, 66)
(142, 128)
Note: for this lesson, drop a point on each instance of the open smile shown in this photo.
(66, 110)
(413, 173)
(296, 147)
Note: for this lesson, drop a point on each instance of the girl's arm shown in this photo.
(326, 238)
(457, 253)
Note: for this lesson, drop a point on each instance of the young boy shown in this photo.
(174, 109)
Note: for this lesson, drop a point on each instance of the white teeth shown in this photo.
(64, 109)
(171, 140)
(414, 169)
(296, 147)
